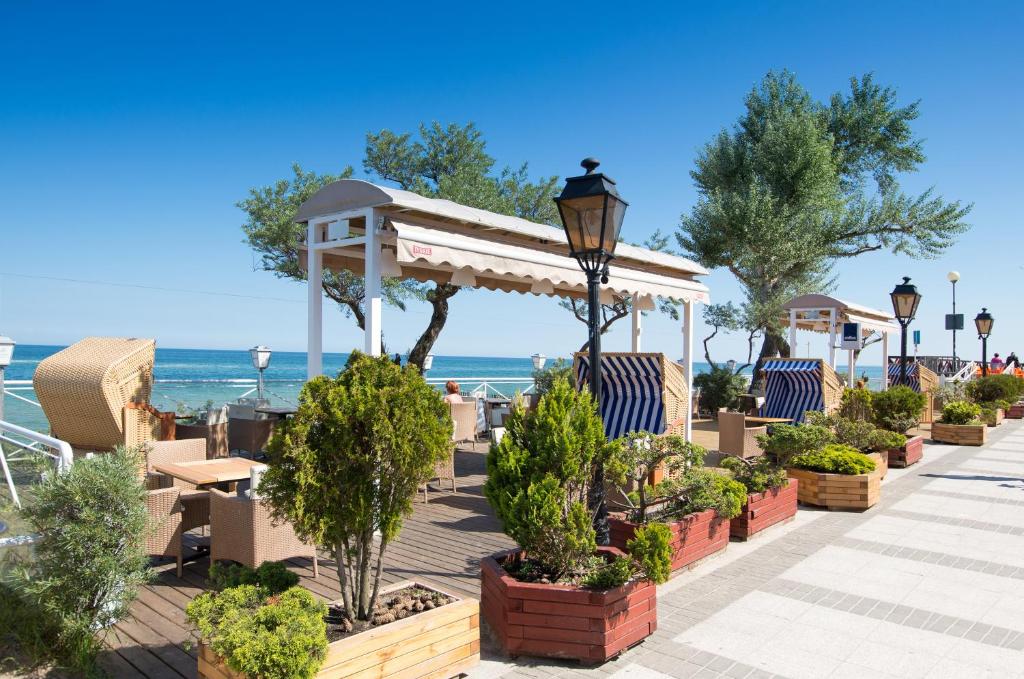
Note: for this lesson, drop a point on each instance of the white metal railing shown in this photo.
(964, 374)
(485, 386)
(30, 442)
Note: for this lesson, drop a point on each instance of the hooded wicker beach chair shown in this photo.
(96, 392)
(920, 379)
(795, 385)
(639, 392)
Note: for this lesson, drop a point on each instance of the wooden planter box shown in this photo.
(563, 621)
(765, 509)
(694, 536)
(216, 436)
(840, 491)
(1016, 411)
(960, 434)
(997, 419)
(440, 643)
(909, 453)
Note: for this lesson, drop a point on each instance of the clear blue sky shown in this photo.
(128, 131)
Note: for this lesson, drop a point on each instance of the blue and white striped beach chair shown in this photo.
(795, 385)
(639, 392)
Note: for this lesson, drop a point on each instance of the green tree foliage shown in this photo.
(701, 489)
(757, 474)
(856, 404)
(797, 184)
(90, 559)
(637, 458)
(960, 412)
(787, 440)
(719, 388)
(273, 637)
(544, 378)
(348, 464)
(858, 434)
(441, 162)
(992, 388)
(272, 576)
(539, 475)
(898, 408)
(835, 458)
(652, 550)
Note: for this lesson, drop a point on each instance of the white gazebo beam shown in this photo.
(373, 328)
(688, 366)
(314, 308)
(885, 361)
(832, 338)
(792, 333)
(637, 329)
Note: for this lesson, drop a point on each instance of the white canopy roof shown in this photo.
(438, 240)
(808, 318)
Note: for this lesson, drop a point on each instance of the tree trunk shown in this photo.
(438, 298)
(773, 345)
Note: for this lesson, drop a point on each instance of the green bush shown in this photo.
(90, 558)
(701, 489)
(787, 440)
(544, 378)
(887, 440)
(612, 574)
(835, 458)
(949, 392)
(348, 464)
(277, 637)
(858, 434)
(637, 455)
(539, 476)
(960, 412)
(273, 576)
(719, 388)
(856, 404)
(898, 408)
(757, 474)
(652, 550)
(995, 387)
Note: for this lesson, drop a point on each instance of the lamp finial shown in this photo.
(590, 164)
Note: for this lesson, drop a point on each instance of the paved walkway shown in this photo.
(928, 583)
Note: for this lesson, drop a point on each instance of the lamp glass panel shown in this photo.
(905, 305)
(984, 325)
(583, 218)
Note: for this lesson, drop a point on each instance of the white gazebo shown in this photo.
(825, 314)
(384, 232)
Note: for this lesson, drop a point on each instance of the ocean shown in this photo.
(189, 378)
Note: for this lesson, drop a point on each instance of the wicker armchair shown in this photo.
(735, 437)
(164, 537)
(242, 530)
(195, 503)
(95, 394)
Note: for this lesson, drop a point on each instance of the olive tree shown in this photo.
(348, 465)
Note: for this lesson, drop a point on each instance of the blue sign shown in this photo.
(917, 337)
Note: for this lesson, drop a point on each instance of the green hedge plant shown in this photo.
(280, 636)
(898, 408)
(348, 464)
(857, 404)
(787, 440)
(757, 474)
(835, 458)
(273, 576)
(719, 388)
(995, 387)
(960, 412)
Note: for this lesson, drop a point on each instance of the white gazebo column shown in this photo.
(792, 333)
(373, 286)
(885, 360)
(851, 362)
(688, 366)
(832, 338)
(637, 329)
(314, 304)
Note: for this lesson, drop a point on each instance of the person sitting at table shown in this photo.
(453, 395)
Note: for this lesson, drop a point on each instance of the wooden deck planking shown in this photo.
(441, 542)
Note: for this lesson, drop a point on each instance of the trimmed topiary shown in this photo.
(787, 440)
(898, 408)
(960, 412)
(835, 458)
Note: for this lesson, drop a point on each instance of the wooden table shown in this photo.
(767, 420)
(209, 472)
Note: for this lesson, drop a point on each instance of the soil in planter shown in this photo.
(528, 570)
(397, 605)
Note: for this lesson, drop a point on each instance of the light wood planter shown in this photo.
(960, 434)
(694, 536)
(840, 491)
(440, 643)
(564, 621)
(765, 509)
(997, 419)
(909, 453)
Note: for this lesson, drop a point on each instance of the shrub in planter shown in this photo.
(539, 477)
(90, 558)
(960, 413)
(960, 424)
(838, 476)
(771, 495)
(995, 387)
(719, 388)
(787, 440)
(857, 404)
(835, 458)
(949, 392)
(272, 576)
(898, 408)
(543, 378)
(257, 634)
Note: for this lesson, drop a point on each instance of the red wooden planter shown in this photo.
(1015, 412)
(910, 453)
(765, 509)
(562, 621)
(694, 536)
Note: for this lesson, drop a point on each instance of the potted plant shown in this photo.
(694, 503)
(558, 594)
(343, 471)
(860, 435)
(898, 409)
(837, 476)
(771, 494)
(960, 425)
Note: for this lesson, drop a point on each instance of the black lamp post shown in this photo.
(592, 212)
(983, 322)
(905, 299)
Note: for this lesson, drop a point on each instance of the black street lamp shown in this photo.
(905, 299)
(592, 213)
(983, 322)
